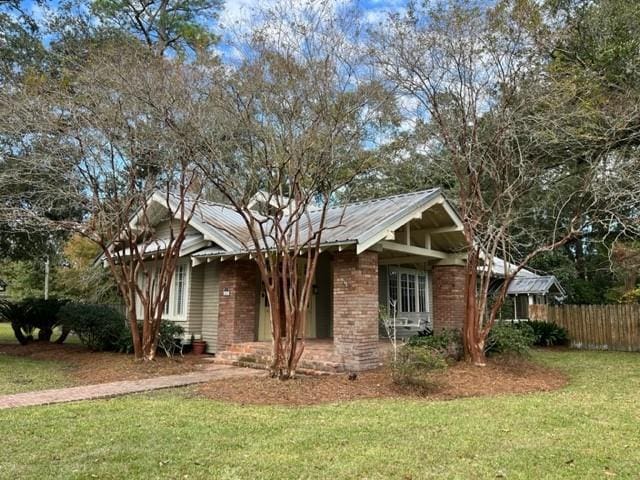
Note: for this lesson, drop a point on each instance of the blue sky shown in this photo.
(237, 10)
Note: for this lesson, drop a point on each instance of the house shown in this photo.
(402, 250)
(525, 291)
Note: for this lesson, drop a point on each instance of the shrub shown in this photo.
(509, 339)
(99, 327)
(103, 328)
(33, 314)
(169, 340)
(448, 343)
(415, 365)
(547, 334)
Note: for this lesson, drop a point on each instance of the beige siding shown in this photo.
(163, 230)
(210, 306)
(194, 311)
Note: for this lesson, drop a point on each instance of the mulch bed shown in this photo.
(499, 377)
(86, 367)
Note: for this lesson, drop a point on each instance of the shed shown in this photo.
(532, 290)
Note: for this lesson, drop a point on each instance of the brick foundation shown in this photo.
(448, 297)
(237, 315)
(355, 309)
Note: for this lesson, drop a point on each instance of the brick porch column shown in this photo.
(448, 297)
(237, 309)
(355, 309)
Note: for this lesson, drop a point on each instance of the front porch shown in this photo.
(319, 356)
(343, 332)
(409, 266)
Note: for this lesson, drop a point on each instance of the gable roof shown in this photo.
(362, 223)
(217, 222)
(535, 285)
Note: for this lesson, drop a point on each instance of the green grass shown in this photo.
(7, 336)
(24, 375)
(591, 429)
(18, 374)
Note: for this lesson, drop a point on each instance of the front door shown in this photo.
(264, 318)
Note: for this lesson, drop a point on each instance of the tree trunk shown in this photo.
(63, 335)
(135, 333)
(472, 333)
(150, 335)
(44, 334)
(20, 336)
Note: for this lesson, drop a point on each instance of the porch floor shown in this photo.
(319, 355)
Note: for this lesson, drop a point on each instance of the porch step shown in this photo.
(315, 359)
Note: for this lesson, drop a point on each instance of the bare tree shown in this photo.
(293, 121)
(470, 74)
(105, 129)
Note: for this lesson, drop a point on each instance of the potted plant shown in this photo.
(198, 345)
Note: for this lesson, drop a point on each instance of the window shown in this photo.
(166, 307)
(411, 285)
(155, 290)
(408, 292)
(179, 290)
(393, 291)
(422, 293)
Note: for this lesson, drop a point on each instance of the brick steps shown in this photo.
(316, 358)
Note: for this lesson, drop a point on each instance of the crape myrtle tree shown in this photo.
(293, 120)
(105, 130)
(471, 74)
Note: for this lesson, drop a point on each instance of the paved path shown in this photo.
(89, 392)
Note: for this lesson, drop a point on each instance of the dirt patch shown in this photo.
(86, 367)
(499, 377)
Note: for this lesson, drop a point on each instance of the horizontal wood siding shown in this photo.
(193, 325)
(163, 230)
(210, 296)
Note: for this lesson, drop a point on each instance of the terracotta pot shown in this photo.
(199, 347)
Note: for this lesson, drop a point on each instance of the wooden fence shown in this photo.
(598, 327)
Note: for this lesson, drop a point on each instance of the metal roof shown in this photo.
(350, 223)
(501, 266)
(539, 285)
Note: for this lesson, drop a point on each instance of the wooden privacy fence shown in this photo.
(600, 327)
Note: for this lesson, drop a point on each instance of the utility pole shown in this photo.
(46, 278)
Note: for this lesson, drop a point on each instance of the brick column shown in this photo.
(448, 297)
(355, 309)
(237, 309)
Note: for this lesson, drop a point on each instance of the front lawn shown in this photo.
(587, 430)
(23, 374)
(6, 333)
(44, 365)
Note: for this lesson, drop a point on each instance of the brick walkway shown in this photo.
(89, 392)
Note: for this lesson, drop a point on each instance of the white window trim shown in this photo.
(172, 315)
(170, 304)
(427, 290)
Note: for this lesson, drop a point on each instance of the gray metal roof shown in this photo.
(351, 223)
(501, 266)
(539, 285)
